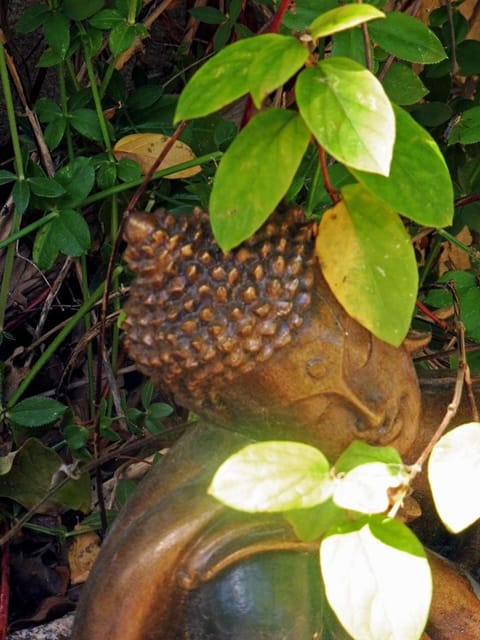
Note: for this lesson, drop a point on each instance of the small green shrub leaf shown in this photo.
(208, 15)
(76, 10)
(407, 38)
(467, 129)
(71, 233)
(342, 18)
(312, 524)
(36, 411)
(21, 195)
(57, 33)
(255, 173)
(45, 187)
(273, 476)
(85, 121)
(6, 177)
(359, 452)
(374, 573)
(77, 178)
(32, 18)
(106, 19)
(49, 58)
(416, 158)
(54, 132)
(366, 487)
(45, 249)
(259, 65)
(348, 112)
(121, 37)
(454, 475)
(376, 279)
(402, 85)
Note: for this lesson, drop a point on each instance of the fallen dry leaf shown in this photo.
(145, 148)
(81, 556)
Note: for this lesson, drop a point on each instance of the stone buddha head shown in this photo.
(254, 340)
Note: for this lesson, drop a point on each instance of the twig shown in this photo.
(326, 177)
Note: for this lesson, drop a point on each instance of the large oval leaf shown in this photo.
(341, 18)
(349, 113)
(454, 475)
(377, 580)
(255, 173)
(257, 65)
(368, 261)
(407, 39)
(419, 184)
(273, 476)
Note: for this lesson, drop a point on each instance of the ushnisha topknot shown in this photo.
(196, 317)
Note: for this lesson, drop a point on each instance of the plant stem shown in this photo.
(64, 104)
(53, 346)
(88, 325)
(12, 124)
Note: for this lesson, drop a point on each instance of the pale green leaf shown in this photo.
(419, 184)
(36, 411)
(257, 65)
(454, 475)
(368, 261)
(342, 18)
(349, 113)
(255, 173)
(273, 476)
(407, 38)
(366, 487)
(377, 582)
(359, 452)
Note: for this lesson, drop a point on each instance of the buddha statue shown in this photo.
(255, 344)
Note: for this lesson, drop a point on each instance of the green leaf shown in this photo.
(342, 18)
(121, 37)
(402, 85)
(359, 452)
(312, 524)
(30, 479)
(348, 112)
(6, 177)
(159, 410)
(468, 57)
(71, 233)
(106, 19)
(36, 411)
(258, 65)
(54, 132)
(273, 476)
(21, 195)
(349, 44)
(303, 12)
(45, 187)
(374, 573)
(367, 488)
(47, 110)
(376, 279)
(128, 170)
(467, 128)
(76, 10)
(208, 15)
(45, 249)
(85, 121)
(32, 18)
(431, 114)
(49, 58)
(57, 33)
(77, 178)
(106, 175)
(255, 173)
(407, 38)
(454, 474)
(76, 436)
(419, 184)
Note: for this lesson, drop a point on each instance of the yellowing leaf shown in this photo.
(145, 148)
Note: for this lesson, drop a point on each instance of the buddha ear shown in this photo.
(417, 340)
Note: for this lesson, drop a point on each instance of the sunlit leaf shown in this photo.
(377, 580)
(347, 110)
(359, 452)
(255, 173)
(366, 487)
(144, 148)
(416, 159)
(407, 38)
(454, 475)
(368, 261)
(342, 18)
(257, 65)
(273, 476)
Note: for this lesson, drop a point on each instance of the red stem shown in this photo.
(277, 20)
(326, 177)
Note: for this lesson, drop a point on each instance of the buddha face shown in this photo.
(334, 384)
